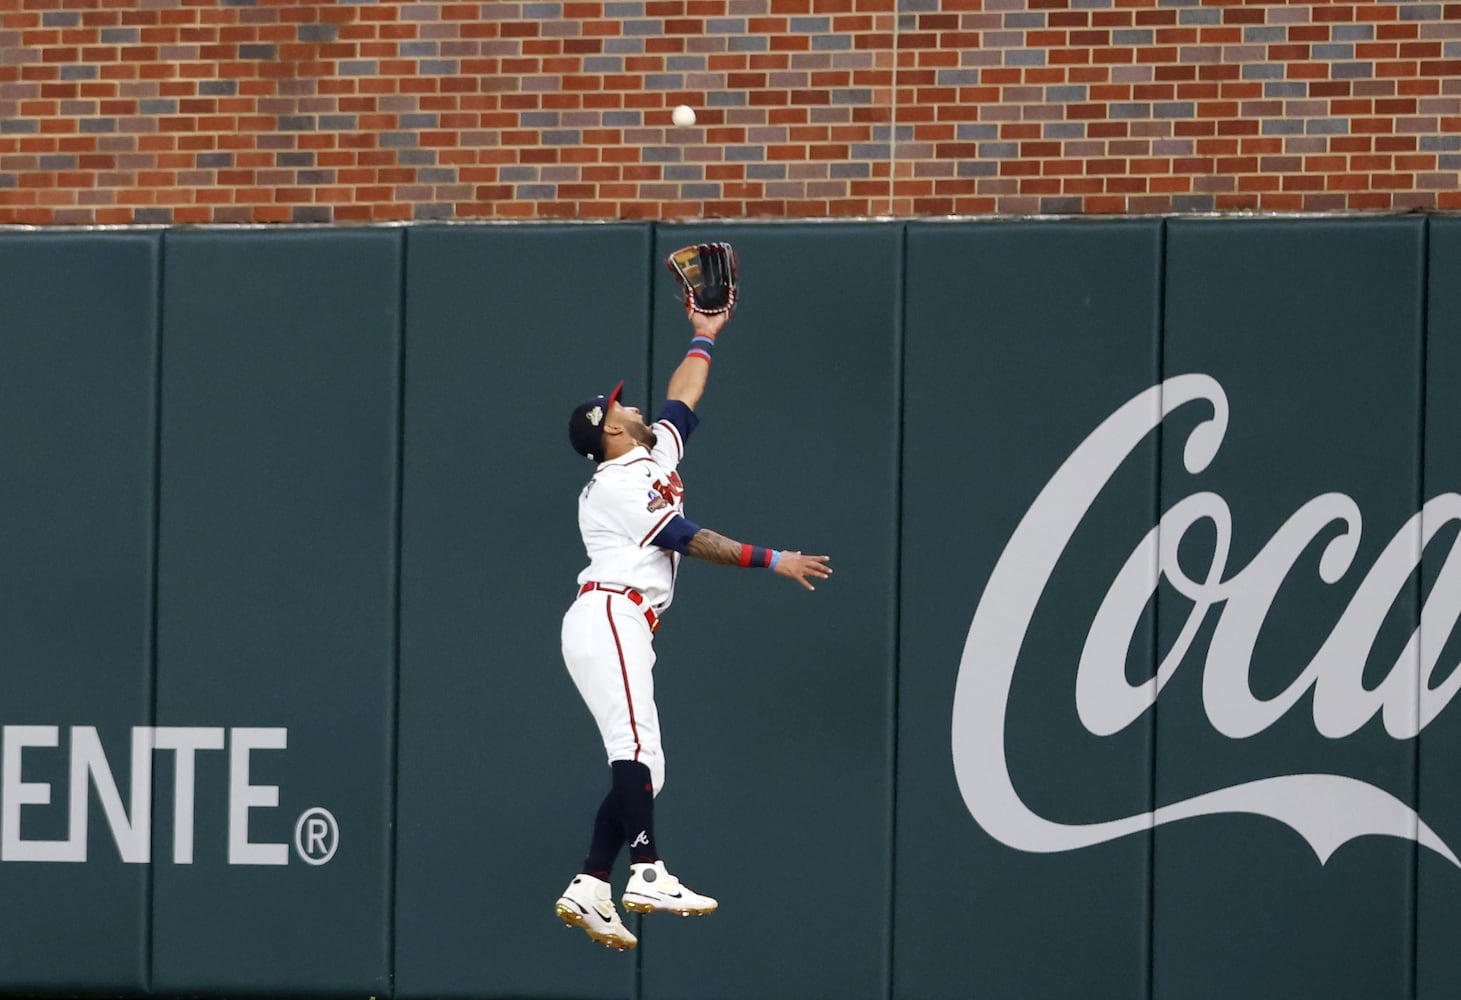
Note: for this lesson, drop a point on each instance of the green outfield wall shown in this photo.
(1133, 681)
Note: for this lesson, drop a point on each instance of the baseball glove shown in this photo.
(706, 273)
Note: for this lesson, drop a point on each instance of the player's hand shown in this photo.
(707, 326)
(803, 568)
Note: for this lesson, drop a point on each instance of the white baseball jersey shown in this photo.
(627, 504)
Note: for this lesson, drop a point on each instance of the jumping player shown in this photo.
(632, 517)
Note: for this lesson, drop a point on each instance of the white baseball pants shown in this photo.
(609, 651)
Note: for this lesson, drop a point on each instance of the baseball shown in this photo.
(683, 116)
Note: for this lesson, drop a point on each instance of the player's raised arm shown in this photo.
(687, 383)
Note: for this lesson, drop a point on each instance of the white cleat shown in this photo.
(588, 903)
(652, 888)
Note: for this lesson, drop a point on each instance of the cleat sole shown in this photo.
(637, 906)
(572, 918)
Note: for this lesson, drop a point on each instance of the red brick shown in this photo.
(488, 97)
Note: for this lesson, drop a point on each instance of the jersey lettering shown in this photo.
(672, 491)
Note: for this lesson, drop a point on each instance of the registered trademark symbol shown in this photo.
(316, 835)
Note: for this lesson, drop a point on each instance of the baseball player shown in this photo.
(632, 516)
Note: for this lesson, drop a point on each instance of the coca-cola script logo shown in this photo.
(1327, 810)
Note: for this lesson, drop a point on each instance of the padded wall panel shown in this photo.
(910, 454)
(1438, 962)
(277, 605)
(1311, 329)
(501, 766)
(78, 339)
(1022, 338)
(775, 702)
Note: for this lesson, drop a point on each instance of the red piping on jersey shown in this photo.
(655, 530)
(679, 444)
(623, 672)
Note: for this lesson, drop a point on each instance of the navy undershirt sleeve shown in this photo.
(680, 416)
(676, 534)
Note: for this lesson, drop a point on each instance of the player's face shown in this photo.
(633, 422)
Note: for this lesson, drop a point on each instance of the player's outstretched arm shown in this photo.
(706, 544)
(687, 384)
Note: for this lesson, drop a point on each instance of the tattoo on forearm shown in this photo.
(711, 547)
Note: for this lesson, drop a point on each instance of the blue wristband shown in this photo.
(755, 557)
(700, 347)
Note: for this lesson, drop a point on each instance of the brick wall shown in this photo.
(180, 111)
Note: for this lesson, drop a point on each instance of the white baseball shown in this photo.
(683, 116)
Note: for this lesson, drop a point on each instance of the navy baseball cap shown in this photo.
(586, 425)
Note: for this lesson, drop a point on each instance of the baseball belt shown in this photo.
(635, 596)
